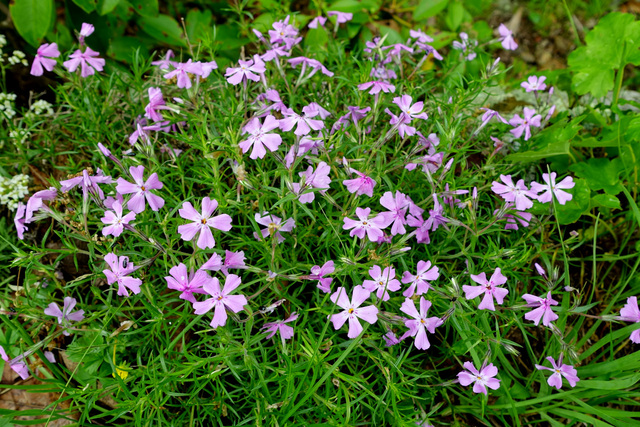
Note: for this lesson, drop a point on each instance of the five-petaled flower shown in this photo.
(489, 288)
(202, 223)
(246, 70)
(274, 226)
(286, 331)
(352, 310)
(530, 118)
(550, 188)
(141, 190)
(318, 273)
(44, 59)
(188, 284)
(65, 316)
(114, 221)
(518, 193)
(260, 137)
(506, 37)
(119, 271)
(631, 313)
(88, 62)
(419, 284)
(482, 379)
(221, 300)
(420, 324)
(560, 370)
(534, 83)
(372, 227)
(543, 311)
(383, 282)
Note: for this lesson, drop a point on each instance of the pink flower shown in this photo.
(363, 184)
(88, 183)
(182, 71)
(397, 206)
(352, 310)
(260, 137)
(560, 370)
(43, 59)
(17, 364)
(274, 225)
(87, 60)
(119, 271)
(372, 227)
(516, 217)
(342, 17)
(489, 288)
(19, 220)
(482, 379)
(524, 124)
(304, 124)
(377, 86)
(631, 313)
(141, 190)
(390, 339)
(202, 223)
(115, 221)
(86, 30)
(543, 312)
(313, 179)
(383, 281)
(506, 37)
(420, 324)
(401, 123)
(156, 102)
(65, 317)
(550, 189)
(317, 20)
(36, 202)
(164, 64)
(413, 111)
(467, 46)
(518, 193)
(246, 70)
(318, 273)
(419, 284)
(534, 83)
(221, 300)
(314, 64)
(188, 284)
(286, 332)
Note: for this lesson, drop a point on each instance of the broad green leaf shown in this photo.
(87, 5)
(106, 6)
(455, 15)
(198, 24)
(316, 41)
(392, 35)
(572, 210)
(601, 174)
(145, 7)
(32, 19)
(605, 201)
(553, 141)
(163, 28)
(123, 48)
(428, 8)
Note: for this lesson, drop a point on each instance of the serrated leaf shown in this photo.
(163, 28)
(32, 19)
(428, 8)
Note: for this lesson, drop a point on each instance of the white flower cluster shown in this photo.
(13, 190)
(41, 106)
(6, 104)
(20, 135)
(3, 41)
(18, 57)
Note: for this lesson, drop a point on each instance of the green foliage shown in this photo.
(32, 18)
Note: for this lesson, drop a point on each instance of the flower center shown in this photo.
(364, 222)
(203, 221)
(351, 311)
(220, 298)
(142, 188)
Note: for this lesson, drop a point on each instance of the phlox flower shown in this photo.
(19, 220)
(307, 144)
(285, 33)
(43, 59)
(489, 288)
(181, 72)
(422, 228)
(318, 273)
(518, 193)
(514, 218)
(221, 300)
(314, 64)
(390, 339)
(286, 331)
(355, 113)
(114, 221)
(313, 179)
(274, 226)
(372, 227)
(363, 184)
(156, 102)
(164, 64)
(413, 111)
(543, 312)
(631, 313)
(88, 183)
(398, 206)
(383, 282)
(142, 131)
(523, 125)
(260, 137)
(377, 86)
(304, 124)
(430, 162)
(231, 260)
(17, 364)
(36, 202)
(141, 190)
(321, 20)
(534, 83)
(247, 70)
(419, 284)
(85, 31)
(482, 379)
(550, 188)
(118, 272)
(352, 310)
(436, 215)
(467, 46)
(506, 37)
(202, 223)
(401, 123)
(420, 324)
(341, 17)
(88, 62)
(560, 370)
(188, 284)
(65, 316)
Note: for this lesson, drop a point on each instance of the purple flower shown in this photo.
(489, 288)
(482, 379)
(436, 215)
(513, 219)
(318, 273)
(317, 20)
(523, 124)
(383, 281)
(181, 72)
(355, 113)
(560, 370)
(303, 124)
(87, 60)
(518, 193)
(377, 86)
(86, 30)
(156, 102)
(352, 310)
(422, 229)
(260, 137)
(419, 284)
(141, 190)
(286, 332)
(631, 313)
(119, 271)
(543, 312)
(43, 59)
(550, 189)
(314, 64)
(65, 317)
(285, 33)
(401, 123)
(19, 220)
(467, 46)
(413, 111)
(115, 221)
(202, 223)
(88, 183)
(164, 64)
(372, 227)
(221, 300)
(390, 339)
(188, 284)
(341, 17)
(17, 364)
(534, 83)
(397, 207)
(313, 179)
(36, 202)
(274, 225)
(506, 37)
(363, 184)
(419, 325)
(246, 70)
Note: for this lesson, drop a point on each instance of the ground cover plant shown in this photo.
(322, 233)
